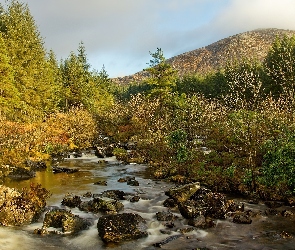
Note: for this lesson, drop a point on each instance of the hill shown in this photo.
(251, 44)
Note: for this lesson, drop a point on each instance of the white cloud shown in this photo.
(120, 33)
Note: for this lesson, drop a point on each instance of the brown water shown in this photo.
(264, 233)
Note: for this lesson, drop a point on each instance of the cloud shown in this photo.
(120, 33)
(253, 14)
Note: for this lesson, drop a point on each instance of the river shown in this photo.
(265, 232)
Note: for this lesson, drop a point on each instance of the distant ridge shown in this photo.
(251, 44)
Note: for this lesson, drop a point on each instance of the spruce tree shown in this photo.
(9, 95)
(28, 60)
(162, 75)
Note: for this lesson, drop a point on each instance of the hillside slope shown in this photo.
(251, 44)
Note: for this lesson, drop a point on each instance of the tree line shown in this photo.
(34, 83)
(231, 129)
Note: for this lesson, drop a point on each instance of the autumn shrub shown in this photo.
(75, 129)
(37, 141)
(278, 166)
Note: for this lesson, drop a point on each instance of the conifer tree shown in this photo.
(162, 75)
(28, 60)
(74, 80)
(9, 96)
(55, 80)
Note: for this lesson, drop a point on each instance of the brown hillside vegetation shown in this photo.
(251, 44)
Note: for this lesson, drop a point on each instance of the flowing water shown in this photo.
(265, 232)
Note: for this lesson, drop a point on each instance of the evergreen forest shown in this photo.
(232, 129)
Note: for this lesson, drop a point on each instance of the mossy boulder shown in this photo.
(183, 193)
(61, 218)
(21, 207)
(121, 227)
(71, 201)
(104, 205)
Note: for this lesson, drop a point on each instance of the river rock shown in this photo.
(169, 203)
(121, 227)
(68, 222)
(97, 205)
(217, 205)
(167, 240)
(134, 198)
(114, 194)
(201, 222)
(204, 202)
(287, 213)
(101, 183)
(105, 151)
(165, 216)
(133, 183)
(126, 179)
(22, 173)
(18, 208)
(36, 165)
(192, 209)
(273, 204)
(71, 201)
(242, 218)
(183, 193)
(57, 169)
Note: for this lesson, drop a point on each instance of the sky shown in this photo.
(119, 34)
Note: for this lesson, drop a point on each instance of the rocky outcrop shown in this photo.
(21, 207)
(121, 227)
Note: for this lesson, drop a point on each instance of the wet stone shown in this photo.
(191, 209)
(202, 222)
(71, 201)
(287, 213)
(285, 235)
(186, 230)
(126, 179)
(165, 216)
(135, 198)
(183, 193)
(87, 195)
(97, 205)
(169, 203)
(271, 211)
(56, 170)
(242, 218)
(114, 194)
(121, 227)
(19, 208)
(273, 204)
(36, 165)
(133, 183)
(167, 240)
(101, 183)
(68, 222)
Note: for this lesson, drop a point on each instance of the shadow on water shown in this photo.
(265, 232)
